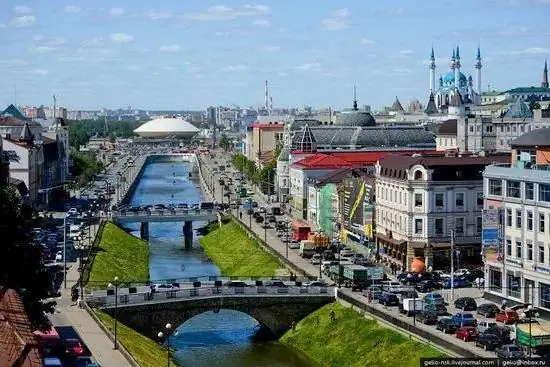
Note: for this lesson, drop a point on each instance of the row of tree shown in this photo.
(80, 131)
(85, 166)
(263, 177)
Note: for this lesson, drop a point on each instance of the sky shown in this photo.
(189, 54)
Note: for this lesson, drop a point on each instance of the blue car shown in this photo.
(458, 283)
(465, 319)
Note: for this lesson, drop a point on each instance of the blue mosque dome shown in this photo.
(449, 79)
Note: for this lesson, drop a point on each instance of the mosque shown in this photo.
(454, 87)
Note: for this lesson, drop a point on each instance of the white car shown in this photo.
(461, 272)
(294, 245)
(59, 256)
(316, 259)
(163, 287)
(72, 211)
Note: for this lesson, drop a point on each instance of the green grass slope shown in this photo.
(353, 340)
(119, 255)
(236, 254)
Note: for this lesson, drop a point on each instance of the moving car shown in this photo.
(465, 319)
(509, 351)
(447, 325)
(487, 309)
(439, 309)
(426, 317)
(466, 304)
(74, 347)
(434, 298)
(388, 299)
(483, 326)
(488, 341)
(507, 317)
(467, 333)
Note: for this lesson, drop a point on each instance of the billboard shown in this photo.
(356, 195)
(490, 235)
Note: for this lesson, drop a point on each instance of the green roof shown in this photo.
(529, 90)
(490, 94)
(12, 111)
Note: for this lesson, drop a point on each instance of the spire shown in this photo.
(457, 52)
(397, 106)
(431, 107)
(453, 60)
(355, 108)
(432, 57)
(544, 83)
(478, 53)
(306, 142)
(26, 134)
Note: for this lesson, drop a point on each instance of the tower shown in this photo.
(478, 67)
(432, 72)
(266, 97)
(355, 108)
(544, 83)
(453, 59)
(457, 67)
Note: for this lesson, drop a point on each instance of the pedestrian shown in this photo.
(332, 316)
(369, 296)
(293, 326)
(503, 305)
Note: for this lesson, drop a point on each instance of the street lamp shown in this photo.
(115, 284)
(168, 334)
(65, 251)
(287, 237)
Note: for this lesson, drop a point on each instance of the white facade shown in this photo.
(26, 165)
(522, 273)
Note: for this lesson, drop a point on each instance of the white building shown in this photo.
(421, 200)
(518, 268)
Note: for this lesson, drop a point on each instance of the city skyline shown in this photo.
(193, 54)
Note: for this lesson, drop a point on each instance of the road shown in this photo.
(314, 270)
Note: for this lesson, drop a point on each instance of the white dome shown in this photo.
(164, 127)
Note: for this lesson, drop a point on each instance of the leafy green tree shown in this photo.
(534, 105)
(225, 144)
(85, 166)
(80, 131)
(21, 265)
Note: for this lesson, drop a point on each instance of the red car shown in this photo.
(467, 333)
(507, 317)
(74, 347)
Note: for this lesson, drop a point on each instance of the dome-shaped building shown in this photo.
(167, 127)
(355, 118)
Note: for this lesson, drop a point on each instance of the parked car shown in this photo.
(74, 347)
(509, 351)
(85, 361)
(375, 291)
(434, 298)
(465, 319)
(426, 317)
(447, 325)
(275, 283)
(487, 309)
(438, 309)
(507, 317)
(467, 333)
(466, 304)
(488, 341)
(457, 283)
(236, 283)
(389, 299)
(484, 325)
(427, 286)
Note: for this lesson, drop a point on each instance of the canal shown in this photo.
(210, 339)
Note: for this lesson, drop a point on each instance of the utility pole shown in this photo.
(452, 265)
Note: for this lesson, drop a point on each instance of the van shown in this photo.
(307, 249)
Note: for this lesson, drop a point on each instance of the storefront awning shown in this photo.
(388, 239)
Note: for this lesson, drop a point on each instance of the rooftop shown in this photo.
(524, 90)
(534, 138)
(447, 127)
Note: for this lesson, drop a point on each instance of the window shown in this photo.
(541, 254)
(495, 280)
(529, 191)
(544, 295)
(529, 221)
(518, 218)
(438, 226)
(479, 199)
(495, 187)
(544, 192)
(479, 224)
(417, 200)
(418, 226)
(513, 189)
(508, 217)
(459, 199)
(508, 248)
(459, 225)
(439, 200)
(542, 223)
(530, 252)
(518, 249)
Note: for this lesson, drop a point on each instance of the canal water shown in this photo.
(210, 339)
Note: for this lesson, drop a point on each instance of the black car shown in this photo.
(501, 332)
(388, 299)
(439, 309)
(466, 304)
(447, 325)
(487, 309)
(426, 317)
(259, 219)
(427, 286)
(488, 341)
(236, 283)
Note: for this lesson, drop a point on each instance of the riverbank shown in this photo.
(237, 254)
(353, 340)
(119, 254)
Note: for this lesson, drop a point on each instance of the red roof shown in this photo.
(280, 125)
(18, 345)
(336, 160)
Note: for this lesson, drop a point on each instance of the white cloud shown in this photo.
(170, 48)
(40, 72)
(235, 68)
(367, 41)
(72, 9)
(94, 41)
(272, 48)
(37, 37)
(54, 42)
(342, 13)
(406, 52)
(261, 22)
(402, 71)
(21, 9)
(338, 21)
(532, 51)
(14, 62)
(70, 58)
(24, 21)
(158, 15)
(314, 66)
(121, 38)
(42, 49)
(222, 12)
(117, 12)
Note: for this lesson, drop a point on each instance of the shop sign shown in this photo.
(541, 269)
(514, 262)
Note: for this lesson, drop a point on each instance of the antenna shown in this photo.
(54, 107)
(355, 97)
(266, 97)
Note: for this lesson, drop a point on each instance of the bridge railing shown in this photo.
(107, 299)
(164, 212)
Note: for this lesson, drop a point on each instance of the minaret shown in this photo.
(453, 59)
(432, 72)
(355, 108)
(544, 83)
(457, 68)
(266, 98)
(478, 67)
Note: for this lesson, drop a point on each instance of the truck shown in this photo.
(409, 306)
(532, 336)
(300, 231)
(307, 249)
(355, 277)
(242, 191)
(321, 241)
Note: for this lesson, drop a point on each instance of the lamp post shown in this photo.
(115, 284)
(287, 237)
(65, 251)
(169, 333)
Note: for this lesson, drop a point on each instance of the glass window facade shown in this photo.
(495, 187)
(544, 295)
(495, 280)
(513, 285)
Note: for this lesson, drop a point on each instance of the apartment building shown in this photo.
(420, 200)
(519, 269)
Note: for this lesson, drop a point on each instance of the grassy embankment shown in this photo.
(124, 256)
(353, 340)
(236, 254)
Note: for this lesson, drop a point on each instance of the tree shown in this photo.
(534, 105)
(85, 166)
(21, 265)
(225, 144)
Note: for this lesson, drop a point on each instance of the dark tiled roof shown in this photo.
(12, 111)
(11, 121)
(355, 118)
(18, 345)
(396, 106)
(447, 127)
(539, 137)
(431, 108)
(519, 110)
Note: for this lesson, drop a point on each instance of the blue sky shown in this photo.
(188, 54)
